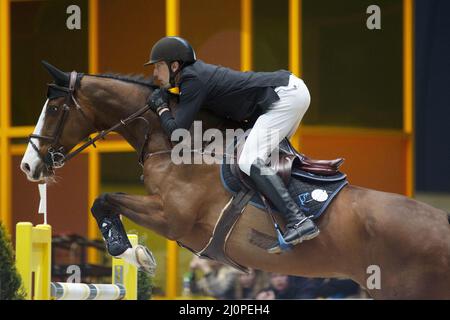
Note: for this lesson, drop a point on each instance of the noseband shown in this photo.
(55, 156)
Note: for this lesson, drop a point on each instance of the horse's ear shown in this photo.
(61, 78)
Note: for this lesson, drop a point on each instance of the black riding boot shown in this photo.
(298, 226)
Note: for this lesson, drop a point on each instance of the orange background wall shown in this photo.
(208, 29)
(372, 160)
(125, 39)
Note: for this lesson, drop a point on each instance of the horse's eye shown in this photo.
(52, 109)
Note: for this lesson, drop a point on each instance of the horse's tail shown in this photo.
(448, 217)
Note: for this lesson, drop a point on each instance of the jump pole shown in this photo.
(33, 256)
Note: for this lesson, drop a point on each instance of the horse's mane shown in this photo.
(131, 78)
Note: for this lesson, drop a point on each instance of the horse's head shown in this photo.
(61, 125)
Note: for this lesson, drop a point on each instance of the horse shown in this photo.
(406, 241)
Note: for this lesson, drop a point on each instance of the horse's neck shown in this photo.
(114, 101)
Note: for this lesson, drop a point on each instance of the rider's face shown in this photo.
(161, 73)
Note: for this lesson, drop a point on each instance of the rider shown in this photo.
(274, 102)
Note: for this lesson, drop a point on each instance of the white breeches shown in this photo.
(281, 120)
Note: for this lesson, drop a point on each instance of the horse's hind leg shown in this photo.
(107, 209)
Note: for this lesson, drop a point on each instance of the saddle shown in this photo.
(320, 167)
(309, 176)
(288, 160)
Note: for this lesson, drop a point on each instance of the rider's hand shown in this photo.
(158, 99)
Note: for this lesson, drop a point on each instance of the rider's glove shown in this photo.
(158, 100)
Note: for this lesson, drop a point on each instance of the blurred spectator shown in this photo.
(280, 287)
(338, 289)
(216, 280)
(307, 288)
(211, 278)
(247, 286)
(289, 287)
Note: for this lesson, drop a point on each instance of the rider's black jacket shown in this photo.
(231, 94)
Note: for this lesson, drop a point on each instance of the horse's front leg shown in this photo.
(144, 210)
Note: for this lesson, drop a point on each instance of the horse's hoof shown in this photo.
(145, 259)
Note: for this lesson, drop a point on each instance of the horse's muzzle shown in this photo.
(38, 172)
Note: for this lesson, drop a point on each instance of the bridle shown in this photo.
(55, 156)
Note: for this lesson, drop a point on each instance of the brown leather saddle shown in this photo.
(288, 159)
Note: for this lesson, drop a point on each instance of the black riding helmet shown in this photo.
(170, 49)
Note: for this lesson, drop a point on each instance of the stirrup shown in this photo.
(298, 224)
(282, 245)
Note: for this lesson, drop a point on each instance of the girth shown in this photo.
(216, 246)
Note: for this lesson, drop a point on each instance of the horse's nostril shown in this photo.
(26, 166)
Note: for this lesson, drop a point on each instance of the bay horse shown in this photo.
(407, 240)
